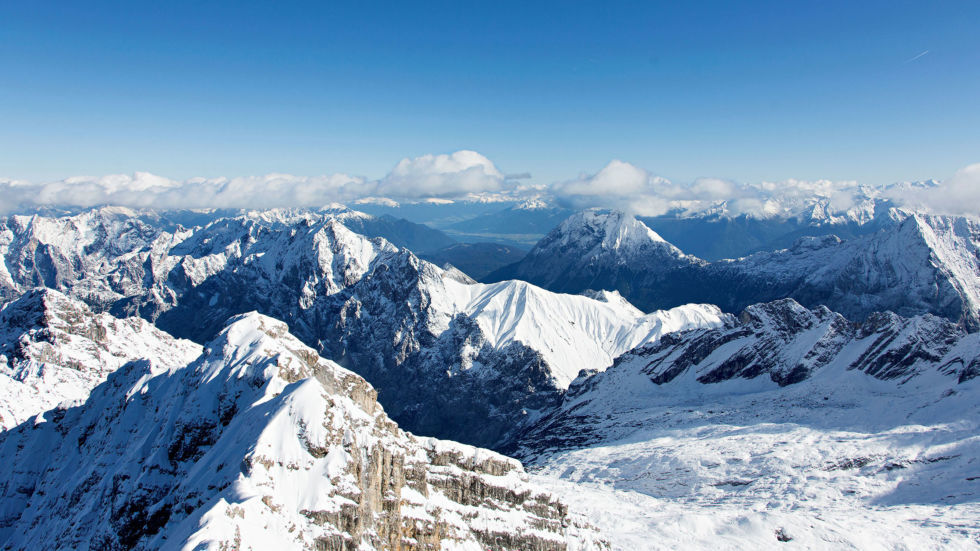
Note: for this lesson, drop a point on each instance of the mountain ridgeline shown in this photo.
(259, 443)
(450, 357)
(914, 264)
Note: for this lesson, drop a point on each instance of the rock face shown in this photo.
(771, 345)
(915, 264)
(54, 350)
(435, 343)
(259, 443)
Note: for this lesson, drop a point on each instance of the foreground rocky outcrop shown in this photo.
(259, 443)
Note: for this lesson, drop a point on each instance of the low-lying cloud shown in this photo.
(450, 176)
(957, 195)
(470, 175)
(621, 185)
(444, 176)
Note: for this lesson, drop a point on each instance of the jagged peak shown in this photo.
(531, 204)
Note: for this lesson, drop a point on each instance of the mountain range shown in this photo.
(166, 383)
(428, 338)
(916, 263)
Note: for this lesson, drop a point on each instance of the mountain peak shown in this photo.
(611, 230)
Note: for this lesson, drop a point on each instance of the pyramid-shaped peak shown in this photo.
(612, 229)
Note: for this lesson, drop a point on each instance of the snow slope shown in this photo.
(54, 350)
(260, 444)
(572, 332)
(790, 423)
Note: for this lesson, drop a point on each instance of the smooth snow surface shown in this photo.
(572, 332)
(731, 472)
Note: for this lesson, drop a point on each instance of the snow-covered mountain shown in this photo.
(54, 350)
(102, 254)
(430, 339)
(771, 345)
(921, 264)
(474, 362)
(916, 264)
(787, 425)
(715, 237)
(611, 250)
(398, 231)
(259, 443)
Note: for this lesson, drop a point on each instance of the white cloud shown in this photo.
(147, 190)
(469, 176)
(957, 195)
(621, 185)
(445, 176)
(463, 173)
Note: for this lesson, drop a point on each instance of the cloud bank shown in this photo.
(623, 186)
(456, 175)
(468, 175)
(445, 176)
(958, 195)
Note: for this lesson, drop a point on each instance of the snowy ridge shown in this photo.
(259, 443)
(924, 264)
(915, 264)
(54, 350)
(103, 255)
(788, 423)
(571, 332)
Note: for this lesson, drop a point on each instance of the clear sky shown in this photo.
(874, 91)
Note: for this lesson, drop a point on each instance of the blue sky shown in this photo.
(742, 90)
